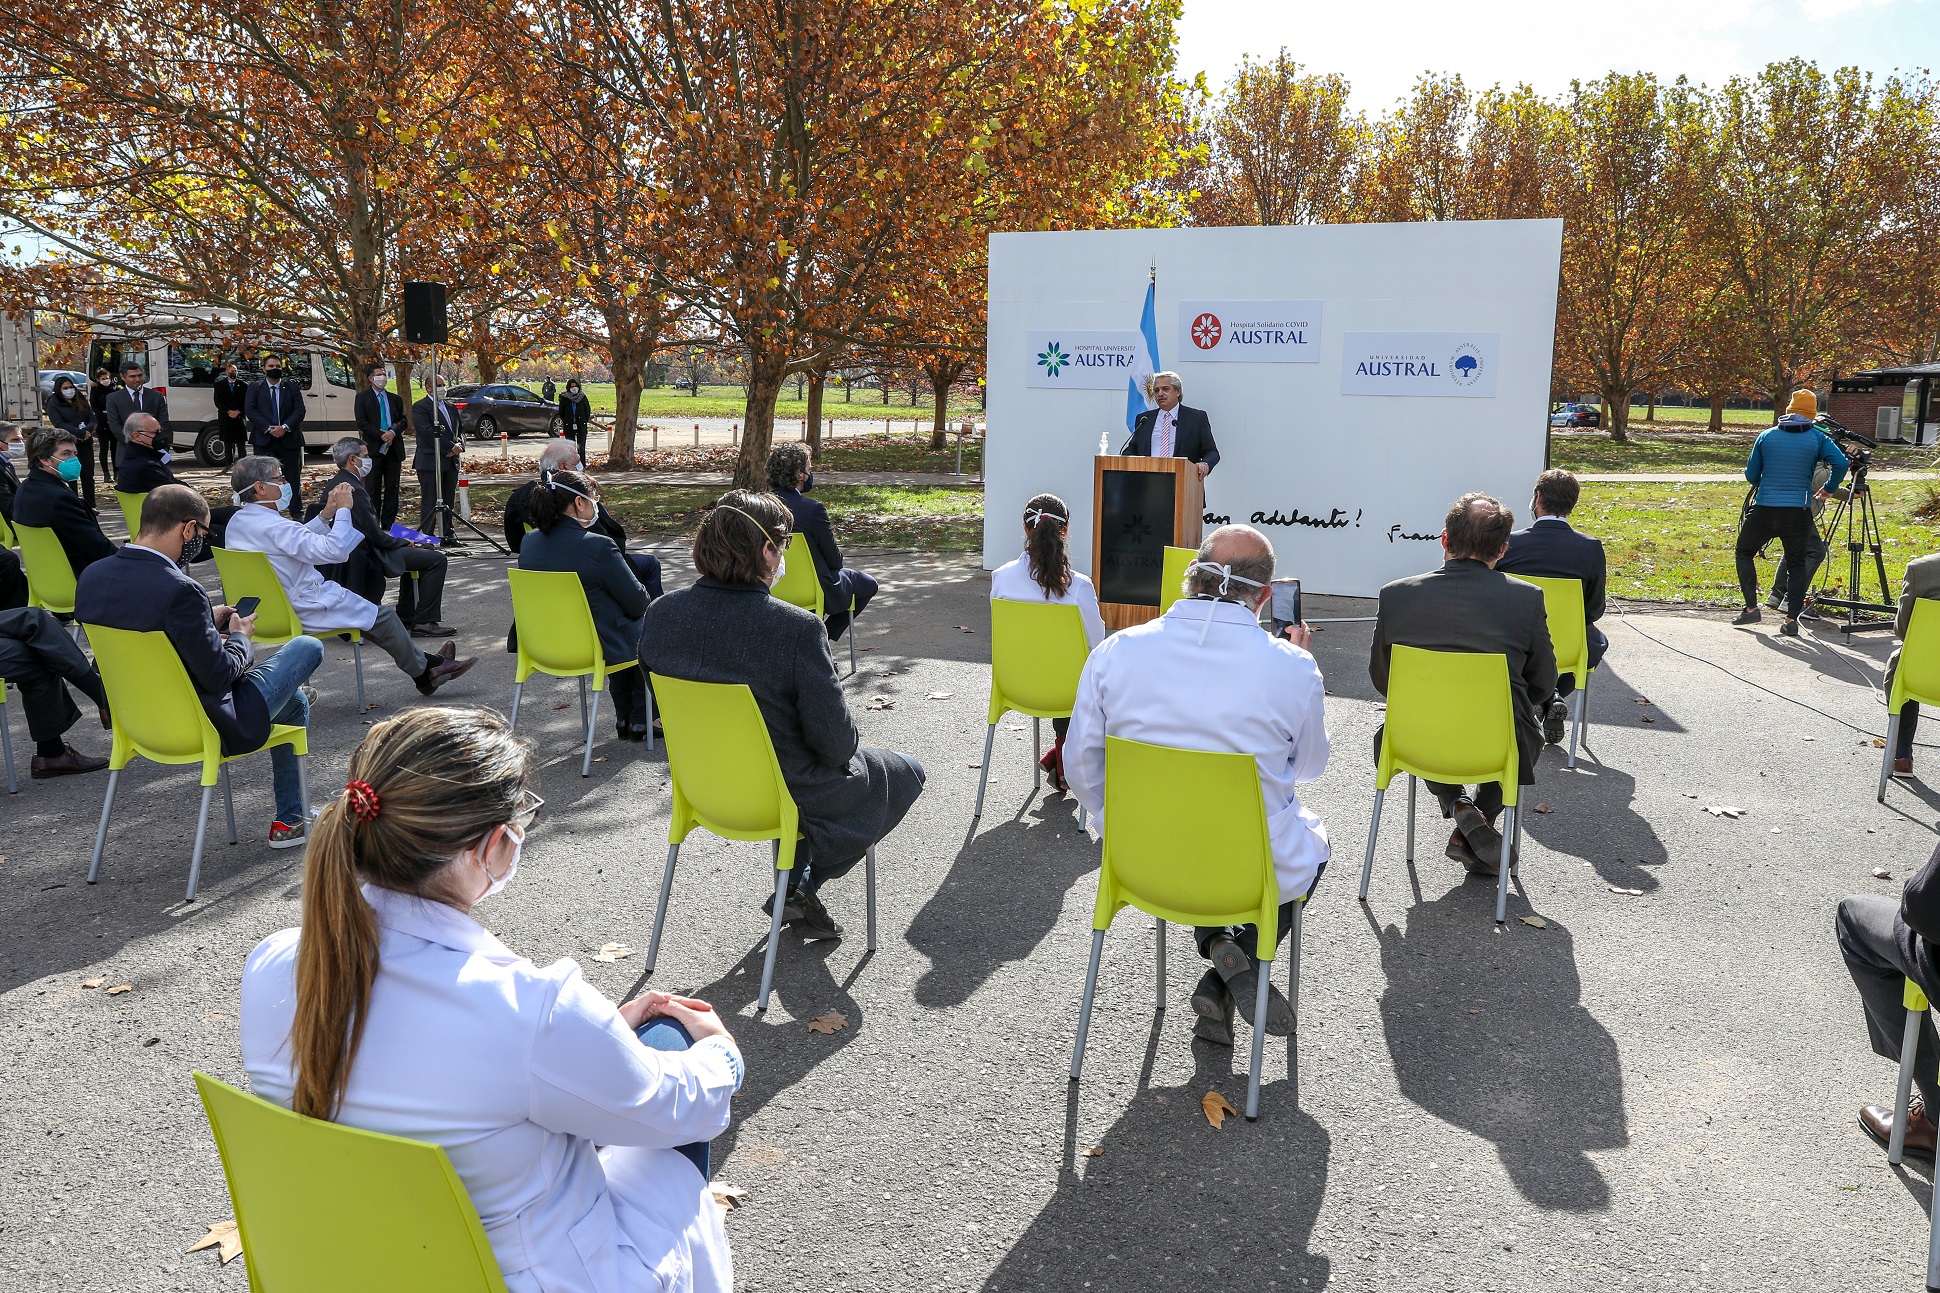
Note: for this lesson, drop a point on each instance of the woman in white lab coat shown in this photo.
(1044, 574)
(578, 1127)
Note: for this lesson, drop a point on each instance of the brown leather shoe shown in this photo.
(1921, 1134)
(443, 672)
(1903, 767)
(67, 763)
(1459, 851)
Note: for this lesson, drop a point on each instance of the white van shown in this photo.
(184, 369)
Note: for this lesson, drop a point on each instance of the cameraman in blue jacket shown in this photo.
(1782, 461)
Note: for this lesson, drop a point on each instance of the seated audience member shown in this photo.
(563, 455)
(1885, 942)
(295, 551)
(1922, 580)
(1551, 549)
(47, 498)
(141, 466)
(1044, 574)
(726, 628)
(143, 588)
(420, 600)
(13, 458)
(1468, 605)
(579, 1128)
(1245, 692)
(564, 511)
(791, 477)
(39, 659)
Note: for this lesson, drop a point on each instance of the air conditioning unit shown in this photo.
(1886, 423)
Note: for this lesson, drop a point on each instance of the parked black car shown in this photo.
(484, 411)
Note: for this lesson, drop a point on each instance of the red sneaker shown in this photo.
(1053, 765)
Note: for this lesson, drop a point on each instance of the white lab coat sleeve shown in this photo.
(1086, 595)
(591, 1077)
(1084, 742)
(1311, 745)
(317, 547)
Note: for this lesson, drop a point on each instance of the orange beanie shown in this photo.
(1805, 404)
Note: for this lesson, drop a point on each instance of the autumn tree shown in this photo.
(1280, 148)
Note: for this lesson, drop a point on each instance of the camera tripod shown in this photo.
(1858, 519)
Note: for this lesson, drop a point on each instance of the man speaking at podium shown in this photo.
(1172, 430)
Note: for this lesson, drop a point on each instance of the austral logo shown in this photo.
(1400, 366)
(1206, 331)
(1465, 365)
(1052, 359)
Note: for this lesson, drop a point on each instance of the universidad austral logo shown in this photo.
(1052, 359)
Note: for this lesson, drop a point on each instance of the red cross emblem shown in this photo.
(1205, 331)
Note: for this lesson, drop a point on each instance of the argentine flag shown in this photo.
(1145, 361)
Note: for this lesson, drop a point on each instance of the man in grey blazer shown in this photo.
(1922, 580)
(1468, 605)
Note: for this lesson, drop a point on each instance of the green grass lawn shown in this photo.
(669, 406)
(1696, 454)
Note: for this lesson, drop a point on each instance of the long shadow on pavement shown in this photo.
(1594, 819)
(1487, 1031)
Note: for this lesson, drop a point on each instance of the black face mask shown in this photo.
(194, 548)
(273, 374)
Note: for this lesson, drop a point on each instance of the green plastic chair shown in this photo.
(1037, 651)
(1916, 676)
(802, 586)
(1450, 719)
(1174, 579)
(157, 715)
(249, 574)
(7, 539)
(322, 1207)
(556, 636)
(1212, 865)
(131, 510)
(1916, 1010)
(50, 576)
(6, 742)
(725, 778)
(1569, 637)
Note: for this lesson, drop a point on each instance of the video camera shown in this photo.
(1858, 448)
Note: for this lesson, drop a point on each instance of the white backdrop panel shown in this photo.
(1295, 450)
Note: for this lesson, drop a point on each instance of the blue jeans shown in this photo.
(664, 1034)
(279, 681)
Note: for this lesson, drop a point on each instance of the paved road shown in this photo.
(1656, 1091)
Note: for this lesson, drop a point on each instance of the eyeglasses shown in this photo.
(523, 819)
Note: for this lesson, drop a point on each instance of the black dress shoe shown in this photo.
(69, 762)
(1213, 1005)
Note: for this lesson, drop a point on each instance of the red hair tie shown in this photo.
(364, 804)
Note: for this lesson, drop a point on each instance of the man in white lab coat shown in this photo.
(295, 551)
(1205, 677)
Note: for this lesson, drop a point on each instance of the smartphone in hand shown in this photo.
(1284, 607)
(246, 607)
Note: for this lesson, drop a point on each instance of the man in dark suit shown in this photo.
(845, 591)
(1551, 549)
(274, 410)
(1467, 605)
(134, 397)
(13, 578)
(142, 466)
(563, 455)
(38, 657)
(420, 600)
(231, 391)
(439, 455)
(100, 391)
(1172, 430)
(142, 588)
(47, 501)
(380, 421)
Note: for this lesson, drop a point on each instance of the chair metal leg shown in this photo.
(1576, 725)
(6, 748)
(774, 939)
(1084, 1004)
(201, 834)
(303, 790)
(1903, 1095)
(101, 832)
(1583, 713)
(1933, 1251)
(1508, 865)
(1259, 1043)
(1037, 752)
(582, 700)
(983, 777)
(1886, 759)
(586, 764)
(513, 720)
(660, 912)
(1373, 834)
(1411, 816)
(1160, 1007)
(852, 665)
(1081, 817)
(871, 868)
(228, 800)
(357, 656)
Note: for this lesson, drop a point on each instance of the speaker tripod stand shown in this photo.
(1858, 520)
(442, 511)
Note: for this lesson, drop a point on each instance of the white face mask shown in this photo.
(496, 885)
(781, 567)
(16, 449)
(363, 467)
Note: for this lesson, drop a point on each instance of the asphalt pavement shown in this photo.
(1655, 1090)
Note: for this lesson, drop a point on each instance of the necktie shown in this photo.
(138, 394)
(1162, 435)
(383, 412)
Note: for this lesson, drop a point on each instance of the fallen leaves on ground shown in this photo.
(1216, 1109)
(1724, 810)
(939, 695)
(1639, 700)
(1535, 922)
(120, 988)
(94, 982)
(1631, 893)
(153, 1041)
(560, 704)
(1094, 1152)
(1881, 873)
(964, 628)
(829, 1023)
(1879, 742)
(1544, 808)
(880, 702)
(1647, 719)
(612, 952)
(224, 1238)
(728, 1196)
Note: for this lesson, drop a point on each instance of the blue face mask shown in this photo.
(809, 483)
(69, 470)
(283, 496)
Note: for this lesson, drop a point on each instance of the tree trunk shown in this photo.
(1616, 414)
(817, 383)
(1716, 424)
(629, 375)
(848, 391)
(487, 366)
(1651, 415)
(943, 376)
(767, 370)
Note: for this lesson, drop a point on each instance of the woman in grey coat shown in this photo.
(560, 507)
(727, 628)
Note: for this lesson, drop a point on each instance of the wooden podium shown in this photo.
(1141, 506)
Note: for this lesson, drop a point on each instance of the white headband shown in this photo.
(1033, 515)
